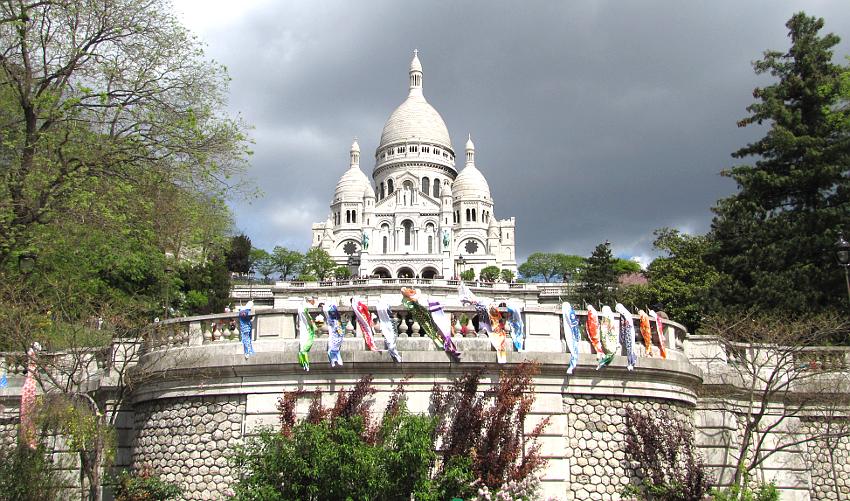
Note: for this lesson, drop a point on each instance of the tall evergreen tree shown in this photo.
(775, 235)
(599, 278)
(239, 255)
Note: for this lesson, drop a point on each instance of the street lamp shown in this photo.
(842, 254)
(169, 270)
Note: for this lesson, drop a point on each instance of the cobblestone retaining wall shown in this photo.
(8, 432)
(186, 441)
(829, 463)
(596, 436)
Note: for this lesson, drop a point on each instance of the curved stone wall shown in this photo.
(186, 441)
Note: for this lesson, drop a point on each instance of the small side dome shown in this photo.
(470, 183)
(369, 192)
(353, 183)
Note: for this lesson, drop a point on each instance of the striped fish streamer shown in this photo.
(306, 333)
(593, 331)
(410, 300)
(364, 320)
(609, 335)
(335, 334)
(4, 381)
(444, 325)
(517, 327)
(571, 332)
(645, 332)
(245, 328)
(385, 318)
(28, 401)
(659, 326)
(627, 335)
(498, 336)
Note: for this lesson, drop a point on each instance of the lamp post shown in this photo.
(461, 262)
(169, 269)
(842, 254)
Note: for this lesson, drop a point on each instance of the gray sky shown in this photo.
(592, 120)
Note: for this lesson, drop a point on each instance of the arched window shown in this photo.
(436, 188)
(382, 191)
(354, 216)
(468, 216)
(348, 216)
(390, 189)
(430, 244)
(473, 214)
(408, 229)
(386, 240)
(426, 185)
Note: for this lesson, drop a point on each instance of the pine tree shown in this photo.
(599, 278)
(774, 237)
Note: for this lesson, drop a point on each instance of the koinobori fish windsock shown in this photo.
(410, 300)
(593, 331)
(335, 334)
(245, 328)
(444, 325)
(517, 327)
(306, 333)
(609, 335)
(659, 326)
(388, 330)
(364, 320)
(498, 336)
(28, 401)
(571, 332)
(645, 332)
(627, 335)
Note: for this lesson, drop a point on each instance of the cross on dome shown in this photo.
(415, 74)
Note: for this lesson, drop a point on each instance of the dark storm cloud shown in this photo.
(592, 120)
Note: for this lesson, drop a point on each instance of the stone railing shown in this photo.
(543, 328)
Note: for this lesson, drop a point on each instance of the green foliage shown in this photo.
(319, 263)
(549, 266)
(774, 237)
(239, 255)
(27, 475)
(262, 262)
(467, 275)
(144, 486)
(622, 266)
(681, 280)
(599, 278)
(757, 492)
(206, 285)
(489, 273)
(287, 262)
(507, 275)
(342, 273)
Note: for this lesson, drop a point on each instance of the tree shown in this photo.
(599, 279)
(467, 275)
(508, 275)
(791, 393)
(239, 256)
(342, 273)
(262, 262)
(115, 89)
(623, 266)
(319, 263)
(286, 261)
(681, 280)
(549, 265)
(774, 236)
(489, 273)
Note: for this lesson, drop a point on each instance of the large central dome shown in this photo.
(415, 121)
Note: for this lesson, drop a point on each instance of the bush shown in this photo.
(664, 458)
(489, 274)
(757, 492)
(27, 475)
(144, 486)
(468, 275)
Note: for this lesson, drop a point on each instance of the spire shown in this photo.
(355, 154)
(415, 75)
(470, 151)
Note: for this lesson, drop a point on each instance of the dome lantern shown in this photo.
(470, 151)
(354, 154)
(415, 74)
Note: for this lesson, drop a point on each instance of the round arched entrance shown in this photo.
(429, 273)
(381, 272)
(405, 272)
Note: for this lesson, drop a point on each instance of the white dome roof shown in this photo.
(352, 185)
(470, 183)
(415, 118)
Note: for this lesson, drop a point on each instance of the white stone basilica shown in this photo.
(424, 219)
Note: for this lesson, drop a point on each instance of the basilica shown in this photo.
(420, 218)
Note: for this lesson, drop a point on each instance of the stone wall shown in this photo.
(185, 440)
(8, 432)
(829, 464)
(596, 438)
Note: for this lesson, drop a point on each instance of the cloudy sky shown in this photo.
(592, 120)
